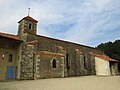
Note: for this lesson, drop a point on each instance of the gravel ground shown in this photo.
(73, 83)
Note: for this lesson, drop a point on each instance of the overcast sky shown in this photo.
(87, 22)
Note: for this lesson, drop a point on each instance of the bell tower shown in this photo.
(27, 25)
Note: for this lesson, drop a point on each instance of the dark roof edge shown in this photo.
(10, 37)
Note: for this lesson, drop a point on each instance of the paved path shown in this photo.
(73, 83)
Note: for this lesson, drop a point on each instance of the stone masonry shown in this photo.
(39, 53)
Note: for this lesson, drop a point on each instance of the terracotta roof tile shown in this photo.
(104, 57)
(10, 36)
(49, 53)
(29, 18)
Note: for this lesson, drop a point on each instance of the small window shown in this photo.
(54, 63)
(10, 57)
(85, 62)
(67, 61)
(30, 26)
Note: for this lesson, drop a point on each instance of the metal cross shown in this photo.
(28, 11)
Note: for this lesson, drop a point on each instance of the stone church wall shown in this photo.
(43, 66)
(75, 65)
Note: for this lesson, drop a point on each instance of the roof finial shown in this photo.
(28, 11)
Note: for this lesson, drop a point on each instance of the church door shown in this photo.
(10, 72)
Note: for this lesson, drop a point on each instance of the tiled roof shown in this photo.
(29, 18)
(49, 53)
(9, 36)
(33, 42)
(104, 57)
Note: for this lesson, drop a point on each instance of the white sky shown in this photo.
(88, 22)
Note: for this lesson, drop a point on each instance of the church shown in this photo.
(27, 56)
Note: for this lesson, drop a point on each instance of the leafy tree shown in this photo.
(112, 49)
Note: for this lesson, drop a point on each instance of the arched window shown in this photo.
(54, 63)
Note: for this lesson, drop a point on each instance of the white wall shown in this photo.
(102, 67)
